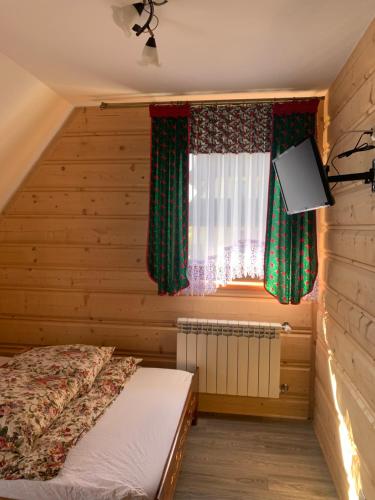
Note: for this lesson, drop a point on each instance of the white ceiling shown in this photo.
(205, 46)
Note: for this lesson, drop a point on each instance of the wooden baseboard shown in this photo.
(284, 407)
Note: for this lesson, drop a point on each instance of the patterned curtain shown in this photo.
(291, 262)
(229, 167)
(168, 214)
(234, 128)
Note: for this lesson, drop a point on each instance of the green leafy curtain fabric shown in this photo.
(291, 262)
(168, 215)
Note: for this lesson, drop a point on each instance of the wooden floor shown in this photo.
(237, 458)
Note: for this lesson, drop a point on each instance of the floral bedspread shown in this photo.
(49, 452)
(37, 385)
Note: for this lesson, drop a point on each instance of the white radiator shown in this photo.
(234, 357)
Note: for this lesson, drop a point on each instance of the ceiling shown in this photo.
(205, 46)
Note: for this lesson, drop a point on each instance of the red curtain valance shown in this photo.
(169, 111)
(279, 108)
(288, 108)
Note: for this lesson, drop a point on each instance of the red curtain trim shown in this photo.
(169, 111)
(288, 108)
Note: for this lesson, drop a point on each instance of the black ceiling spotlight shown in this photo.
(125, 17)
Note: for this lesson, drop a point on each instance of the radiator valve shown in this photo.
(286, 327)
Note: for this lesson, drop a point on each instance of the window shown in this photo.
(227, 218)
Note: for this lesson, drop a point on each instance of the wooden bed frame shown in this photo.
(172, 467)
(188, 417)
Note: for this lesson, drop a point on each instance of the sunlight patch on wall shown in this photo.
(349, 452)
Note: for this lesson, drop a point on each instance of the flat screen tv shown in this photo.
(302, 177)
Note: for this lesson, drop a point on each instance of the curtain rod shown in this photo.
(108, 105)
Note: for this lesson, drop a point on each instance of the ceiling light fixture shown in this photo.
(150, 53)
(125, 17)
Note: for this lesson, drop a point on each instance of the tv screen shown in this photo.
(302, 177)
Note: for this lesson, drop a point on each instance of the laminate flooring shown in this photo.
(240, 458)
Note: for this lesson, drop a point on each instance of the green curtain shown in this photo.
(291, 262)
(168, 213)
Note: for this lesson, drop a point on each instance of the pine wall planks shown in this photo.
(345, 367)
(73, 257)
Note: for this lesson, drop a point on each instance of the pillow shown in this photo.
(37, 385)
(80, 361)
(29, 403)
(50, 450)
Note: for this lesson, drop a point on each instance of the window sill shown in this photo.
(245, 285)
(253, 289)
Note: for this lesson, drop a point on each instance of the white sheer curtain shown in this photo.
(227, 218)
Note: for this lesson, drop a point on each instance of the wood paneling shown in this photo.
(358, 416)
(352, 319)
(101, 306)
(113, 280)
(97, 203)
(354, 283)
(76, 256)
(296, 347)
(73, 257)
(90, 175)
(358, 363)
(156, 338)
(285, 407)
(355, 206)
(360, 105)
(101, 147)
(359, 68)
(345, 367)
(74, 230)
(358, 245)
(121, 120)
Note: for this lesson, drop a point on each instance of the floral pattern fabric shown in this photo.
(28, 404)
(168, 218)
(80, 361)
(232, 128)
(291, 261)
(37, 385)
(50, 451)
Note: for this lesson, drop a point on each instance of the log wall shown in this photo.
(344, 416)
(72, 258)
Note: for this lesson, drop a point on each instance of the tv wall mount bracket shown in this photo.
(368, 177)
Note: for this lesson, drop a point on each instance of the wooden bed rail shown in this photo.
(173, 465)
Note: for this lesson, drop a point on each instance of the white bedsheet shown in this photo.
(124, 454)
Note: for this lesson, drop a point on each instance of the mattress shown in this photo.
(124, 454)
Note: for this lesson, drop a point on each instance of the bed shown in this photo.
(134, 450)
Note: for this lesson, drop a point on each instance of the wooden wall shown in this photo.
(72, 259)
(345, 368)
